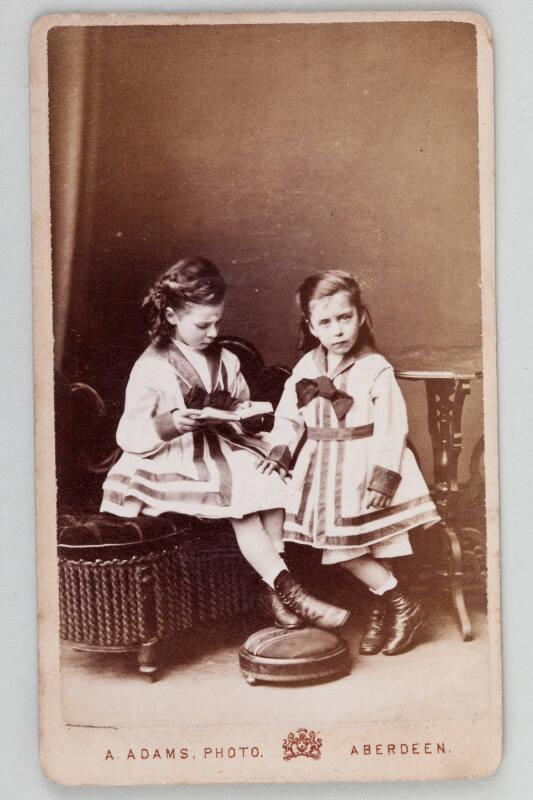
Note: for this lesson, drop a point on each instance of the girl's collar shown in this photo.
(348, 360)
(187, 371)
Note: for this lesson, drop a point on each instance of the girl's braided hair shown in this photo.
(324, 284)
(190, 280)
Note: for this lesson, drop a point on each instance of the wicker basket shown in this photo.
(133, 595)
(124, 602)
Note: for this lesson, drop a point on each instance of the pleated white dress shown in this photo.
(342, 458)
(210, 473)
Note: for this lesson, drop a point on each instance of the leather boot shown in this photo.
(274, 609)
(375, 633)
(309, 608)
(406, 619)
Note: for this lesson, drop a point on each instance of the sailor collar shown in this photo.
(347, 361)
(187, 371)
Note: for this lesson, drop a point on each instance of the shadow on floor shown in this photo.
(442, 677)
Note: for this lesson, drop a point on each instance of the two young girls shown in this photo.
(356, 490)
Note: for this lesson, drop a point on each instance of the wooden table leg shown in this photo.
(455, 578)
(445, 407)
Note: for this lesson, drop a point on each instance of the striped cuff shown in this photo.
(384, 481)
(282, 455)
(164, 426)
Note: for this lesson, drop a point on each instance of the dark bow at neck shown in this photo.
(197, 397)
(309, 388)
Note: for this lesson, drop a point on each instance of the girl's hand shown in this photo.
(267, 467)
(377, 499)
(186, 420)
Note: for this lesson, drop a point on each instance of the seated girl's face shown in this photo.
(195, 325)
(335, 322)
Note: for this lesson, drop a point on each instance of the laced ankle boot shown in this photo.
(275, 611)
(406, 620)
(375, 633)
(309, 608)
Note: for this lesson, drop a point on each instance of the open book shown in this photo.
(209, 414)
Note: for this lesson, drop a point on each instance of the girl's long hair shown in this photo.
(190, 280)
(324, 284)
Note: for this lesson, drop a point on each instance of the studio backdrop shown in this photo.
(273, 154)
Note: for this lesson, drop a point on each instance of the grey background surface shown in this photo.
(512, 24)
(286, 149)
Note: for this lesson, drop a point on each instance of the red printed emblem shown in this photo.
(302, 743)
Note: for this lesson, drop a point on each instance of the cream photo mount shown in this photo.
(221, 729)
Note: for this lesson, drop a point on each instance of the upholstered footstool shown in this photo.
(277, 655)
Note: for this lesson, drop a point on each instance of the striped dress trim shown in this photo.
(212, 489)
(365, 539)
(324, 452)
(370, 527)
(308, 483)
(374, 516)
(151, 497)
(198, 457)
(364, 520)
(213, 484)
(153, 477)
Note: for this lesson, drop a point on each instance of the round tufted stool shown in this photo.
(277, 655)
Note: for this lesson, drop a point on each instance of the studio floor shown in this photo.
(441, 678)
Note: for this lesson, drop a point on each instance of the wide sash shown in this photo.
(340, 434)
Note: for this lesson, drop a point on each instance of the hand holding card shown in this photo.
(217, 415)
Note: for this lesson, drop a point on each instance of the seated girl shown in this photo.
(173, 461)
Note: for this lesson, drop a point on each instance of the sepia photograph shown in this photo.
(265, 361)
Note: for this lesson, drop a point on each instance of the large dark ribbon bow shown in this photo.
(307, 389)
(219, 398)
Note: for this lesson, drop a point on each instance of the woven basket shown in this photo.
(121, 595)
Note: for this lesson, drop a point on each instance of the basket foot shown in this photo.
(149, 659)
(150, 673)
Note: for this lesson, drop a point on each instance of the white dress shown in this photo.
(209, 473)
(342, 458)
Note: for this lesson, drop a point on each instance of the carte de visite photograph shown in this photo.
(265, 368)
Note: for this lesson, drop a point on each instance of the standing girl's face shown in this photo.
(335, 322)
(195, 325)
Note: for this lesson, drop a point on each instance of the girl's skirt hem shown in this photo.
(229, 487)
(394, 547)
(131, 507)
(382, 544)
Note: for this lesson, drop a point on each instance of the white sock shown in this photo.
(390, 583)
(272, 575)
(258, 548)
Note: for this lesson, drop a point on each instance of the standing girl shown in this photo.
(174, 462)
(356, 490)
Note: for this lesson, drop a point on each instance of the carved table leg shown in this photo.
(445, 407)
(455, 577)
